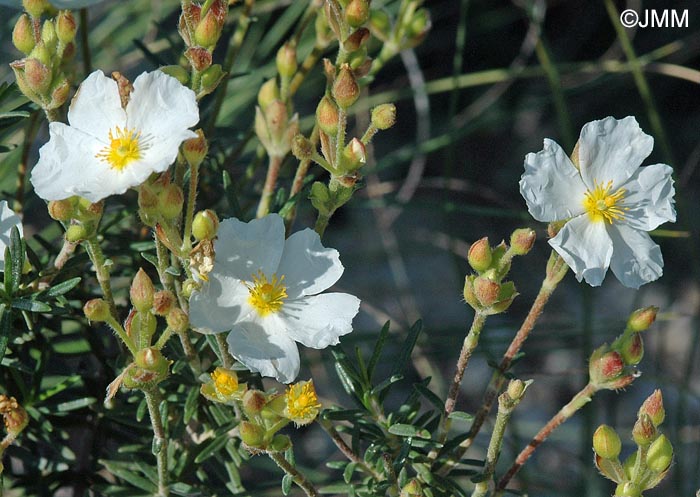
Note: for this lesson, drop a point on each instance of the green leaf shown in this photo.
(5, 328)
(378, 346)
(16, 262)
(73, 405)
(429, 395)
(21, 114)
(123, 470)
(404, 430)
(386, 384)
(150, 258)
(61, 288)
(287, 484)
(211, 448)
(191, 404)
(409, 344)
(461, 416)
(349, 470)
(31, 305)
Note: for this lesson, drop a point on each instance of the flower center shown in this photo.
(267, 295)
(225, 381)
(124, 148)
(302, 401)
(602, 204)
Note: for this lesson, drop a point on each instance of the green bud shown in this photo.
(321, 198)
(286, 60)
(480, 255)
(516, 389)
(205, 225)
(170, 201)
(606, 442)
(76, 233)
(632, 349)
(653, 407)
(195, 149)
(141, 291)
(208, 30)
(177, 320)
(522, 240)
(268, 93)
(97, 310)
(62, 210)
(660, 455)
(327, 116)
(345, 89)
(643, 432)
(23, 35)
(384, 116)
(48, 35)
(177, 72)
(302, 148)
(253, 402)
(641, 319)
(279, 443)
(66, 26)
(380, 23)
(357, 12)
(141, 326)
(628, 489)
(35, 7)
(251, 434)
(211, 77)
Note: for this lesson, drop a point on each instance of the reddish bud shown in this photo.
(522, 240)
(59, 93)
(327, 116)
(632, 349)
(653, 407)
(357, 12)
(195, 149)
(641, 319)
(486, 291)
(62, 210)
(253, 402)
(302, 148)
(38, 75)
(23, 34)
(480, 255)
(141, 291)
(643, 431)
(163, 301)
(356, 40)
(170, 201)
(199, 57)
(345, 89)
(66, 26)
(177, 320)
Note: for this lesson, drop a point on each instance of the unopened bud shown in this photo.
(276, 118)
(641, 319)
(253, 402)
(141, 291)
(643, 432)
(480, 255)
(384, 116)
(606, 442)
(59, 93)
(660, 455)
(632, 349)
(412, 489)
(205, 225)
(38, 75)
(177, 320)
(163, 301)
(653, 407)
(178, 72)
(208, 30)
(149, 358)
(355, 154)
(148, 204)
(357, 12)
(35, 7)
(66, 26)
(23, 35)
(199, 57)
(195, 149)
(280, 443)
(286, 60)
(327, 116)
(48, 35)
(268, 93)
(302, 147)
(516, 389)
(486, 291)
(76, 233)
(522, 240)
(357, 40)
(96, 310)
(211, 77)
(62, 210)
(345, 89)
(251, 434)
(171, 200)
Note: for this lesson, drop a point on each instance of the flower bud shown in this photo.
(660, 455)
(356, 40)
(163, 301)
(522, 240)
(279, 443)
(62, 210)
(195, 149)
(208, 30)
(148, 204)
(38, 76)
(148, 358)
(345, 89)
(417, 28)
(177, 320)
(302, 148)
(641, 319)
(171, 200)
(268, 93)
(76, 233)
(412, 489)
(354, 154)
(65, 26)
(199, 57)
(253, 402)
(35, 7)
(605, 365)
(643, 432)
(653, 407)
(516, 389)
(205, 225)
(48, 35)
(357, 12)
(327, 116)
(286, 60)
(251, 434)
(486, 291)
(97, 310)
(384, 116)
(632, 349)
(59, 93)
(141, 291)
(480, 255)
(190, 13)
(211, 77)
(606, 442)
(178, 72)
(23, 35)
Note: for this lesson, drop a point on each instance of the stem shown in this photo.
(298, 477)
(582, 398)
(322, 223)
(273, 170)
(346, 450)
(189, 212)
(98, 260)
(119, 330)
(162, 255)
(67, 251)
(340, 138)
(160, 440)
(84, 41)
(556, 269)
(29, 136)
(298, 182)
(226, 359)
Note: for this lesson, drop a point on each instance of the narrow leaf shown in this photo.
(409, 344)
(381, 340)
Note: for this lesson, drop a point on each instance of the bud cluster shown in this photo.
(46, 46)
(406, 31)
(80, 216)
(160, 201)
(648, 465)
(274, 126)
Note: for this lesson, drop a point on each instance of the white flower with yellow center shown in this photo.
(608, 201)
(107, 149)
(264, 289)
(8, 219)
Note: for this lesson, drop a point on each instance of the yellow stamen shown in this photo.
(267, 295)
(302, 402)
(604, 205)
(225, 381)
(124, 148)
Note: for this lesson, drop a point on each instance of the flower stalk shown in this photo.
(296, 475)
(160, 439)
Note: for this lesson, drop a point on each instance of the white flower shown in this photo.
(264, 289)
(108, 149)
(609, 201)
(8, 219)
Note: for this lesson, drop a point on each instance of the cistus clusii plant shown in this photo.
(174, 321)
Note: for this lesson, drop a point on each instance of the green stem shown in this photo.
(226, 359)
(340, 138)
(119, 330)
(98, 260)
(298, 182)
(322, 223)
(162, 255)
(297, 477)
(577, 402)
(160, 440)
(189, 212)
(273, 170)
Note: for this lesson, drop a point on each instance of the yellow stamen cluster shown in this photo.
(225, 381)
(602, 204)
(124, 148)
(267, 296)
(302, 403)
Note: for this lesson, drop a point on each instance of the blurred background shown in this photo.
(490, 81)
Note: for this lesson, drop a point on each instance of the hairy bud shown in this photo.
(480, 255)
(142, 291)
(606, 442)
(345, 89)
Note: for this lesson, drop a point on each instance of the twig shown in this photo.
(297, 476)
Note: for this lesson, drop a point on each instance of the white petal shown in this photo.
(551, 185)
(636, 258)
(586, 247)
(319, 321)
(96, 107)
(219, 305)
(307, 266)
(612, 150)
(8, 219)
(649, 198)
(270, 353)
(162, 109)
(244, 248)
